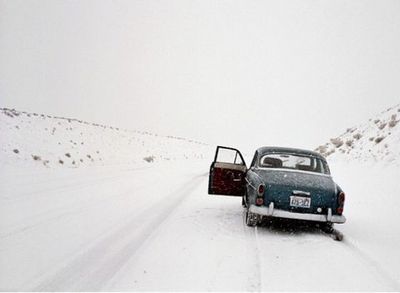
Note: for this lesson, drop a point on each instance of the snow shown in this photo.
(378, 140)
(125, 224)
(73, 143)
(214, 250)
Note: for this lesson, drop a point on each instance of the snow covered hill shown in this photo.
(31, 138)
(376, 140)
(87, 207)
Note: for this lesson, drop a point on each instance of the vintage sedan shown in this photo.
(280, 182)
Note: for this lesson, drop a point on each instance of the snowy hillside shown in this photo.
(140, 218)
(376, 140)
(62, 142)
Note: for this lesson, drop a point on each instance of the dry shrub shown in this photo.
(330, 152)
(36, 158)
(337, 142)
(393, 123)
(321, 149)
(149, 159)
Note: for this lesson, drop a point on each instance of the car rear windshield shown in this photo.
(294, 161)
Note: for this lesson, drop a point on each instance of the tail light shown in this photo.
(259, 201)
(341, 199)
(260, 197)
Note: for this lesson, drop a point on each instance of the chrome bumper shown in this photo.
(270, 211)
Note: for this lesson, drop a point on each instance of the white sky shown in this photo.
(241, 73)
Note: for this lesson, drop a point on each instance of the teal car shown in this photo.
(279, 183)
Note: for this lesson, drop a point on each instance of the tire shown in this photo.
(245, 200)
(338, 236)
(251, 219)
(327, 228)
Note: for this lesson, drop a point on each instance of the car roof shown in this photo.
(274, 149)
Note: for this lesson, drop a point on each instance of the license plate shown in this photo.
(300, 201)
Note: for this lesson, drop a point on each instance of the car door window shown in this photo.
(231, 156)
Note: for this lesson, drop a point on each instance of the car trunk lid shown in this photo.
(281, 185)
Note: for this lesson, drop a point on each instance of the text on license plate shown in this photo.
(300, 201)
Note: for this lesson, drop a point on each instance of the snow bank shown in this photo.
(376, 140)
(45, 140)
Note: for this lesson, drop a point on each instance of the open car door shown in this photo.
(227, 173)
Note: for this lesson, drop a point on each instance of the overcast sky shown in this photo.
(243, 73)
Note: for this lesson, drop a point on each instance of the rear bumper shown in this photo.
(270, 211)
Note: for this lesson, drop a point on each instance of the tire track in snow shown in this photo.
(375, 267)
(71, 186)
(74, 208)
(259, 260)
(252, 235)
(54, 215)
(96, 265)
(222, 228)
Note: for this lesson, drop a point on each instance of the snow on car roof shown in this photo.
(274, 149)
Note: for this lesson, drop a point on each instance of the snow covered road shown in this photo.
(154, 227)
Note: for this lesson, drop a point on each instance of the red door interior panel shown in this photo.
(227, 179)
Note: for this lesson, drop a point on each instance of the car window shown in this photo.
(226, 155)
(293, 161)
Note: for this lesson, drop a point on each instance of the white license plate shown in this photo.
(300, 201)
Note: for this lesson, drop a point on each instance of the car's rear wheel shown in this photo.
(327, 227)
(250, 218)
(243, 202)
